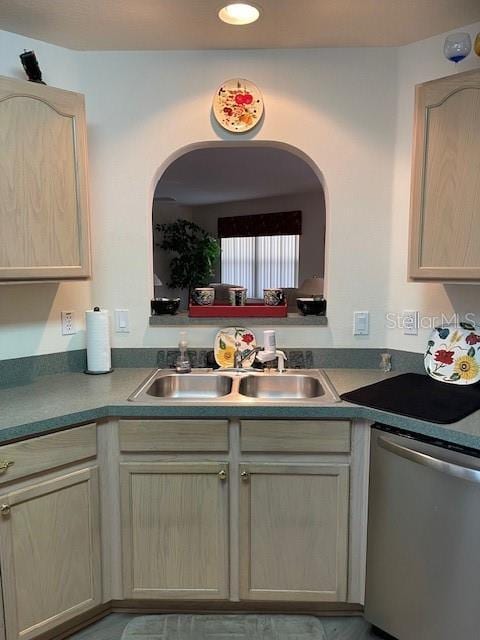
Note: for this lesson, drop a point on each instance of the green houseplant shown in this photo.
(196, 253)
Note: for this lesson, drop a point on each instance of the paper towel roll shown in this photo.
(99, 359)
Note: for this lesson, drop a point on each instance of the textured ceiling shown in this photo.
(207, 176)
(193, 24)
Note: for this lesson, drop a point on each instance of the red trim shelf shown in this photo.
(249, 310)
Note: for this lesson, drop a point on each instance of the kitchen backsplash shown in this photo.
(23, 370)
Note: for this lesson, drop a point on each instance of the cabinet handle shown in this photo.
(442, 466)
(4, 464)
(5, 510)
(222, 474)
(245, 476)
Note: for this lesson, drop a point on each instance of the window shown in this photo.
(260, 262)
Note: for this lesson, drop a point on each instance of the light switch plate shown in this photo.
(410, 323)
(121, 321)
(361, 323)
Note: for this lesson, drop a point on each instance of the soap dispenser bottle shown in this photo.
(182, 364)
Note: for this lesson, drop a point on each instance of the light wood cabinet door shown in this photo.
(50, 553)
(43, 185)
(294, 532)
(175, 530)
(445, 200)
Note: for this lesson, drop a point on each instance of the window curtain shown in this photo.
(260, 263)
(276, 262)
(261, 224)
(261, 251)
(238, 262)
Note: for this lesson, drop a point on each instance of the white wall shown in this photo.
(418, 63)
(312, 206)
(339, 106)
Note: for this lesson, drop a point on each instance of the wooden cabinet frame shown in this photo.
(228, 507)
(445, 213)
(44, 209)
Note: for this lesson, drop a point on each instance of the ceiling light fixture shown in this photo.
(239, 13)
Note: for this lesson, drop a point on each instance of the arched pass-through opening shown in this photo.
(273, 144)
(242, 181)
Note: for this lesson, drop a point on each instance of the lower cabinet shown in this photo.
(283, 524)
(175, 530)
(277, 530)
(50, 552)
(294, 531)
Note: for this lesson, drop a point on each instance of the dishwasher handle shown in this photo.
(450, 468)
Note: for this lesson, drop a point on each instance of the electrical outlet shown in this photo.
(410, 323)
(361, 322)
(68, 323)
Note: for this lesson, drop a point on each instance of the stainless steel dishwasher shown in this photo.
(423, 548)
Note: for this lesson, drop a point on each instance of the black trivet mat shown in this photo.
(419, 396)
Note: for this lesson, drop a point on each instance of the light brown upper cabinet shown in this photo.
(43, 184)
(445, 199)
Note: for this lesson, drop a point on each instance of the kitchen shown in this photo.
(349, 109)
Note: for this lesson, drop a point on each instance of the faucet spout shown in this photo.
(239, 357)
(262, 356)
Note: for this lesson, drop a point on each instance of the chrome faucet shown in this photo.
(239, 357)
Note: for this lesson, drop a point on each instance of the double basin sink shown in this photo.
(230, 386)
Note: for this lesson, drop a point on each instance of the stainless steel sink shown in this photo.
(189, 386)
(285, 387)
(236, 387)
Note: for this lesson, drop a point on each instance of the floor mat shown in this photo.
(224, 627)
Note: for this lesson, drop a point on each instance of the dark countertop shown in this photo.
(56, 401)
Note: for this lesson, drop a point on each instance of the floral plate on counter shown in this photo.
(453, 354)
(226, 342)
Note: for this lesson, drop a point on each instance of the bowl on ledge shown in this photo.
(316, 306)
(161, 306)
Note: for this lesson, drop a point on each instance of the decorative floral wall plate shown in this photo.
(225, 345)
(453, 354)
(238, 105)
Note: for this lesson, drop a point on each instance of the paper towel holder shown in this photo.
(97, 373)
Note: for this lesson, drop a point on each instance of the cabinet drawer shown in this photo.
(296, 436)
(173, 435)
(27, 457)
